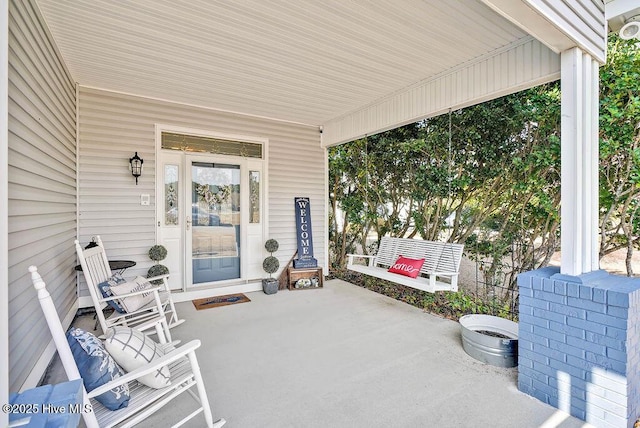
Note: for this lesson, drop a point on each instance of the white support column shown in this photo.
(579, 157)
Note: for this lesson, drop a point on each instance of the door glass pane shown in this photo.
(215, 211)
(201, 144)
(171, 195)
(254, 196)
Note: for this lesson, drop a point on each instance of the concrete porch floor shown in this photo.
(343, 356)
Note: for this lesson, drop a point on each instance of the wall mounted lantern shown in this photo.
(631, 28)
(135, 166)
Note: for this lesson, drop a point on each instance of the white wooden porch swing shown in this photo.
(441, 259)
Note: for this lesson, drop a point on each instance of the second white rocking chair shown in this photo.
(96, 270)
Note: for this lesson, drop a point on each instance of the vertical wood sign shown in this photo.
(303, 233)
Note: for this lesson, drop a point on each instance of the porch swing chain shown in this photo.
(449, 180)
(449, 159)
(366, 173)
(366, 183)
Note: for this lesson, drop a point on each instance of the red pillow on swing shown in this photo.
(407, 267)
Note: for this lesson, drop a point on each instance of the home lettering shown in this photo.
(405, 267)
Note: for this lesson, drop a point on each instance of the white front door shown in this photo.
(210, 218)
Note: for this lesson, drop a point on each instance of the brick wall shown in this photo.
(578, 344)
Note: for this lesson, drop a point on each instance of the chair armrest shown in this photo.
(164, 278)
(151, 323)
(157, 277)
(443, 273)
(167, 359)
(360, 256)
(155, 290)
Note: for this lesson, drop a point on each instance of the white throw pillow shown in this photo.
(133, 349)
(133, 303)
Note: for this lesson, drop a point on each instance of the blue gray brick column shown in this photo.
(579, 344)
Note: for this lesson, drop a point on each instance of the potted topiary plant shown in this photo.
(157, 253)
(270, 265)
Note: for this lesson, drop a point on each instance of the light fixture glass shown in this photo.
(135, 166)
(631, 29)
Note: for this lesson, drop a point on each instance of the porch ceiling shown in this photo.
(302, 61)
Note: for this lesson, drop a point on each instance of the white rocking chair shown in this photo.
(96, 270)
(182, 363)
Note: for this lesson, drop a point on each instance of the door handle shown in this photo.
(188, 223)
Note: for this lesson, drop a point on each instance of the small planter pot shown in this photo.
(492, 340)
(270, 285)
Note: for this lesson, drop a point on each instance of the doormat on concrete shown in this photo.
(213, 302)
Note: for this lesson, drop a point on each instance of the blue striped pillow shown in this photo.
(105, 289)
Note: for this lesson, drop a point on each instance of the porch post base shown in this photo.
(579, 344)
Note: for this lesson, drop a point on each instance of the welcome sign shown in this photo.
(303, 232)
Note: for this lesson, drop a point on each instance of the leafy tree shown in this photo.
(348, 225)
(518, 205)
(620, 149)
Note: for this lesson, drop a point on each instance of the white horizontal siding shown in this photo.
(583, 21)
(523, 65)
(113, 126)
(41, 188)
(560, 25)
(297, 168)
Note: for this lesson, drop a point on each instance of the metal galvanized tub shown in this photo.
(490, 339)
